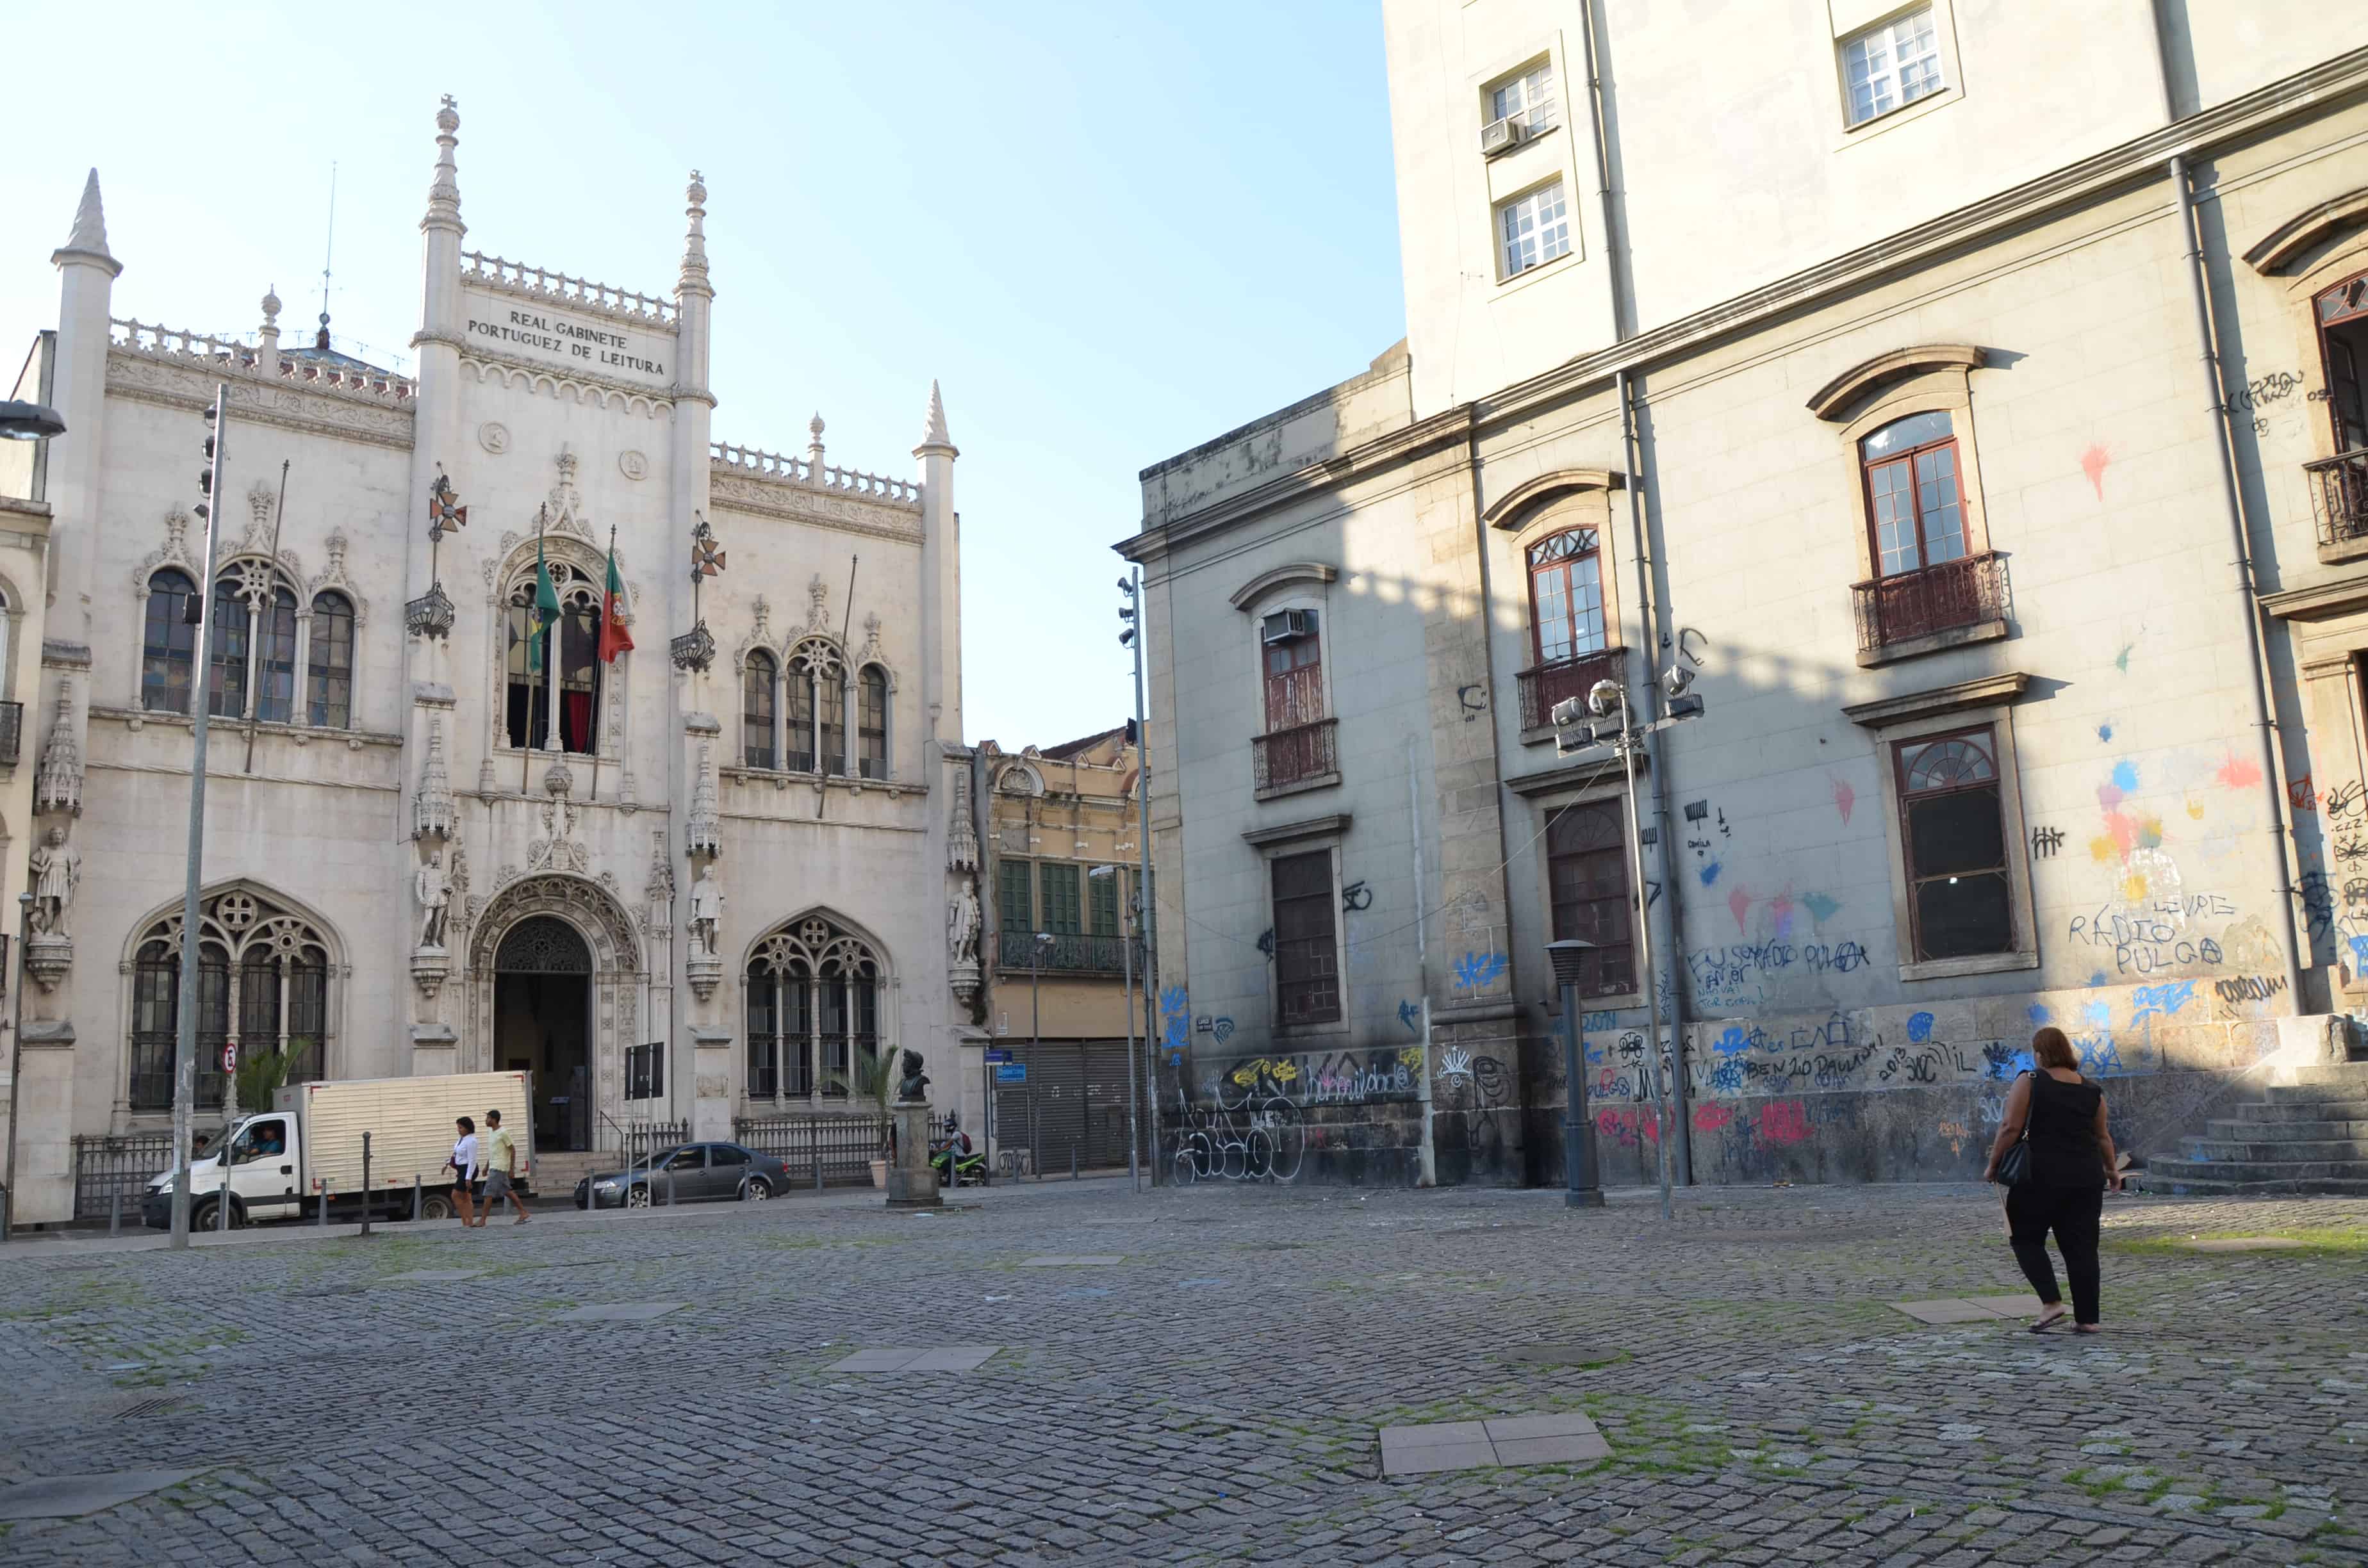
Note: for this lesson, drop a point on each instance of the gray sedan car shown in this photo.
(688, 1173)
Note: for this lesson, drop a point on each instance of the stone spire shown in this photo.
(444, 191)
(933, 431)
(694, 244)
(814, 445)
(88, 241)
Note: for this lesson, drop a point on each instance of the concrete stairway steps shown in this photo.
(2340, 1150)
(2265, 1113)
(2307, 1133)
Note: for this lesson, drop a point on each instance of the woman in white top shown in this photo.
(464, 1165)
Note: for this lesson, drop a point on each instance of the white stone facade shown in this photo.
(2168, 891)
(669, 838)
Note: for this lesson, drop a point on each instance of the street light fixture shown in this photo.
(29, 422)
(1608, 700)
(1584, 1184)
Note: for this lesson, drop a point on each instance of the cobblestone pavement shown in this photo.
(1213, 1397)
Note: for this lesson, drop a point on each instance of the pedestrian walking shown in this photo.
(2055, 1157)
(501, 1170)
(463, 1165)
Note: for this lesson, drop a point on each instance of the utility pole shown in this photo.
(1608, 700)
(184, 1040)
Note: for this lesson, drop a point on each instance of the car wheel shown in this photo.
(637, 1196)
(755, 1190)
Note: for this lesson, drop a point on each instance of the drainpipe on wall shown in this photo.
(2247, 592)
(1650, 628)
(1427, 1165)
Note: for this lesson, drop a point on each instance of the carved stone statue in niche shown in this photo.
(706, 912)
(962, 924)
(435, 901)
(55, 868)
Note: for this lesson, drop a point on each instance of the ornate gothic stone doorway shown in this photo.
(554, 980)
(542, 1025)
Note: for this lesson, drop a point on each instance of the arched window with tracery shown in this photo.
(263, 985)
(872, 723)
(329, 662)
(169, 643)
(1565, 597)
(758, 745)
(574, 642)
(813, 1011)
(817, 732)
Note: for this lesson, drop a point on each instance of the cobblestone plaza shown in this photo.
(1197, 1376)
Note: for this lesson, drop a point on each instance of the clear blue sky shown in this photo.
(1112, 231)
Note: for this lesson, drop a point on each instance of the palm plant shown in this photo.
(257, 1078)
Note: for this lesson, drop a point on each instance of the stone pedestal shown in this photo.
(912, 1183)
(711, 1083)
(48, 958)
(428, 968)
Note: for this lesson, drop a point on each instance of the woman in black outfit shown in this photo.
(2071, 1165)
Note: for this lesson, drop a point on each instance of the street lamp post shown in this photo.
(1132, 586)
(1608, 700)
(1035, 1047)
(1584, 1184)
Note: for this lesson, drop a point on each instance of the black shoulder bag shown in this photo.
(2013, 1167)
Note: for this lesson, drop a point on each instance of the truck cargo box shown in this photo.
(410, 1123)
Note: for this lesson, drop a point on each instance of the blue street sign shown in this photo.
(1011, 1072)
(996, 1054)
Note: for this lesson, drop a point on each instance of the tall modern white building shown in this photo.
(1964, 402)
(684, 854)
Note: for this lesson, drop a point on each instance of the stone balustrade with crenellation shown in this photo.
(561, 289)
(814, 475)
(200, 350)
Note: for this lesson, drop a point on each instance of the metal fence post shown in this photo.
(416, 1198)
(115, 1214)
(1072, 1162)
(321, 1215)
(366, 1186)
(669, 1186)
(814, 1151)
(221, 1195)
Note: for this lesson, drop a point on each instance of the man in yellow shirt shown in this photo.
(501, 1170)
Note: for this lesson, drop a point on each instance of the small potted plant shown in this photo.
(874, 1084)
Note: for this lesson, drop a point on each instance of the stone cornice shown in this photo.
(2307, 228)
(288, 405)
(1986, 692)
(2317, 601)
(1406, 445)
(1833, 400)
(1297, 572)
(1292, 832)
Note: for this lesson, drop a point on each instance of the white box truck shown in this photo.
(307, 1151)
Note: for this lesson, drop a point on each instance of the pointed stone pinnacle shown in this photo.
(89, 235)
(933, 431)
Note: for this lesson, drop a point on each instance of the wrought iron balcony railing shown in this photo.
(1547, 685)
(1967, 592)
(1067, 954)
(1300, 755)
(2338, 496)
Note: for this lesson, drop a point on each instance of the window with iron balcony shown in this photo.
(1569, 637)
(1930, 589)
(1299, 750)
(2338, 484)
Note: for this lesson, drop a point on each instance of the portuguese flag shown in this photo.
(614, 637)
(546, 606)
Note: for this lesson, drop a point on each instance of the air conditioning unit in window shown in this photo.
(1287, 625)
(1502, 136)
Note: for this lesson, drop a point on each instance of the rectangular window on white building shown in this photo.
(1527, 99)
(1534, 229)
(1890, 66)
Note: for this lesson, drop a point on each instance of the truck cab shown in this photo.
(264, 1160)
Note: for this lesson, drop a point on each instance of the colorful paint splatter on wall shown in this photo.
(1844, 799)
(2093, 463)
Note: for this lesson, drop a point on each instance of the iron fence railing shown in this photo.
(108, 1166)
(823, 1150)
(2338, 496)
(640, 1139)
(1305, 751)
(1541, 688)
(1899, 608)
(1068, 952)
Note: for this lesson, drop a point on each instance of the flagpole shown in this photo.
(600, 655)
(555, 640)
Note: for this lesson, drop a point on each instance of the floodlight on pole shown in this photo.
(29, 422)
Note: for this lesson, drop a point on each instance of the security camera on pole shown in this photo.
(184, 1040)
(1607, 701)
